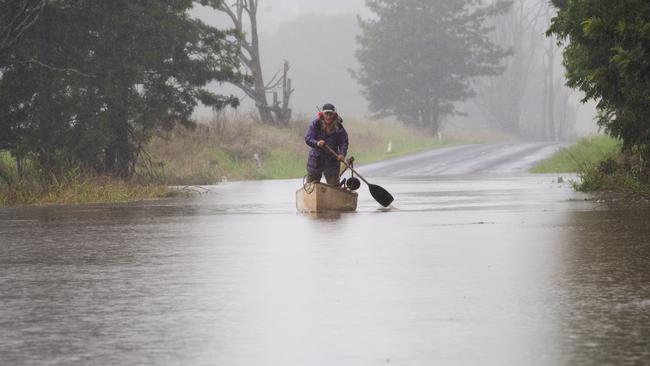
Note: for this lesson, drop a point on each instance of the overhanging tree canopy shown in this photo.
(92, 79)
(606, 56)
(418, 57)
(16, 17)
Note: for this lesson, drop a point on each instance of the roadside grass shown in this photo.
(7, 168)
(625, 175)
(284, 164)
(85, 188)
(369, 141)
(586, 152)
(80, 188)
(602, 168)
(214, 151)
(239, 149)
(71, 187)
(206, 154)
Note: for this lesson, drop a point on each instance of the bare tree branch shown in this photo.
(25, 16)
(273, 83)
(235, 19)
(247, 89)
(243, 14)
(54, 68)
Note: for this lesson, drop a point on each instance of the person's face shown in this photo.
(329, 117)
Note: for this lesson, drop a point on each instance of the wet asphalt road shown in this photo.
(477, 262)
(492, 159)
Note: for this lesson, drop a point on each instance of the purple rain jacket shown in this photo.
(323, 160)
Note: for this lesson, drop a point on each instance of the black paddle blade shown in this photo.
(380, 195)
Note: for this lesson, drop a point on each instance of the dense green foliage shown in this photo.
(607, 56)
(623, 174)
(418, 56)
(91, 80)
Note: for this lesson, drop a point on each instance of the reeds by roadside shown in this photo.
(76, 188)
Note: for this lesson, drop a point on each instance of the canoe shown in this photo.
(320, 197)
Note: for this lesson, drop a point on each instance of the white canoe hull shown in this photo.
(319, 197)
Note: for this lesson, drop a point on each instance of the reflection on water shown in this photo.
(504, 271)
(325, 215)
(606, 283)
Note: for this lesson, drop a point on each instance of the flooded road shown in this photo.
(480, 266)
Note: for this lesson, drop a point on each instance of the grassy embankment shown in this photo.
(72, 187)
(587, 151)
(602, 167)
(208, 154)
(227, 151)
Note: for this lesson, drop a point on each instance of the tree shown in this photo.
(549, 130)
(529, 99)
(419, 56)
(321, 50)
(607, 44)
(16, 17)
(501, 99)
(243, 14)
(143, 66)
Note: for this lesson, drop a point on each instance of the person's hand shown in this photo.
(340, 157)
(321, 143)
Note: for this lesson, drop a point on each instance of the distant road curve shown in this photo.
(466, 159)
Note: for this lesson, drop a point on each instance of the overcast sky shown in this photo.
(307, 74)
(273, 12)
(311, 88)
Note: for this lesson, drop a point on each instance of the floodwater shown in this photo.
(466, 269)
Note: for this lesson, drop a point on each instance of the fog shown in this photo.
(317, 38)
(273, 13)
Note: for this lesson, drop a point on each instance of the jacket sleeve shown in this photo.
(310, 136)
(343, 143)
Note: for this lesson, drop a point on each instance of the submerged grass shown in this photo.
(71, 187)
(80, 188)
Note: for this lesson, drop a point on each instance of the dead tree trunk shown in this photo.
(243, 14)
(282, 110)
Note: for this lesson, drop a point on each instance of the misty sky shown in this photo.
(286, 34)
(314, 83)
(276, 11)
(273, 12)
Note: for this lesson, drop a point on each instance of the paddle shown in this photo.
(378, 193)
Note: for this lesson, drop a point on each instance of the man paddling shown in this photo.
(326, 129)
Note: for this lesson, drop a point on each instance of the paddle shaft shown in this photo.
(346, 164)
(378, 193)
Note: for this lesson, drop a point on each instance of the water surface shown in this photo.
(468, 269)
